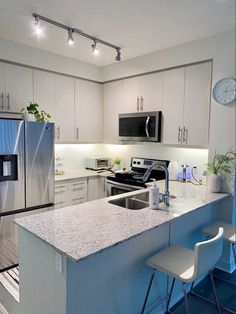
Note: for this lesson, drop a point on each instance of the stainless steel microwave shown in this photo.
(140, 126)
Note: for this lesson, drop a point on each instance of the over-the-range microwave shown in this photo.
(140, 126)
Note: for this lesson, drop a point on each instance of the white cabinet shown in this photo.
(172, 108)
(92, 188)
(142, 93)
(197, 104)
(64, 117)
(44, 92)
(186, 105)
(16, 87)
(102, 187)
(88, 111)
(112, 108)
(70, 192)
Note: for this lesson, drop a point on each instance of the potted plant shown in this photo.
(117, 162)
(222, 164)
(31, 113)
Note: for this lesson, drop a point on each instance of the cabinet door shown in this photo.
(112, 108)
(61, 195)
(78, 191)
(173, 99)
(102, 187)
(88, 111)
(92, 189)
(197, 104)
(151, 92)
(64, 109)
(2, 87)
(18, 87)
(131, 95)
(44, 92)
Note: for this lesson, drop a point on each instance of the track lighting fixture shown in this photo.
(71, 32)
(118, 54)
(94, 47)
(70, 39)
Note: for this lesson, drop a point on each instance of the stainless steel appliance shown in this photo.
(126, 181)
(26, 178)
(96, 163)
(140, 126)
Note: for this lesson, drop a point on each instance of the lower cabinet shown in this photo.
(77, 191)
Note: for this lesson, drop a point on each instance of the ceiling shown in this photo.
(138, 26)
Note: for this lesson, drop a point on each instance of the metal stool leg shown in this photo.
(214, 290)
(185, 298)
(170, 293)
(149, 288)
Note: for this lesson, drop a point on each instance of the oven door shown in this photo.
(115, 188)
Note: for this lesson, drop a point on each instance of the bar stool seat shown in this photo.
(175, 261)
(187, 265)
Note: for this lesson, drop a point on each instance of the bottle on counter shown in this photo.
(59, 165)
(154, 196)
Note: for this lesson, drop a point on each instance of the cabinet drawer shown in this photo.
(79, 200)
(78, 188)
(61, 187)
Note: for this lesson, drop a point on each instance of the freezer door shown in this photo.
(12, 177)
(39, 151)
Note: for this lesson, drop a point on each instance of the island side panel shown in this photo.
(42, 288)
(116, 280)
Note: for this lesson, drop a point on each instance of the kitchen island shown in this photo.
(90, 258)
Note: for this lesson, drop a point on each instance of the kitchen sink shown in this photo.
(137, 201)
(129, 202)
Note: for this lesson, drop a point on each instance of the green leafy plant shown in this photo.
(32, 108)
(117, 161)
(222, 163)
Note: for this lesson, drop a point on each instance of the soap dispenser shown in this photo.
(154, 196)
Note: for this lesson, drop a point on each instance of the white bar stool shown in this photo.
(229, 233)
(187, 265)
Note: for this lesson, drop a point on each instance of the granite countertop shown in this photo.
(82, 173)
(83, 230)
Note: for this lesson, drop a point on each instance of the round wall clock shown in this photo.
(224, 91)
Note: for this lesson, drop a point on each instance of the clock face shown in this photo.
(224, 91)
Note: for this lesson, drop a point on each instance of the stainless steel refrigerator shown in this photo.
(26, 178)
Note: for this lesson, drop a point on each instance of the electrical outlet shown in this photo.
(58, 263)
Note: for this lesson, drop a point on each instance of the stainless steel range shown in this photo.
(131, 180)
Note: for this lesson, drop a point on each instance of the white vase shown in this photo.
(28, 116)
(214, 183)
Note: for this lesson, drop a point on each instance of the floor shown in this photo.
(226, 291)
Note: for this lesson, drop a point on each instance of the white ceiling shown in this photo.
(138, 26)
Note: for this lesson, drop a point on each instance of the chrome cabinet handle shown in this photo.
(141, 106)
(77, 133)
(180, 133)
(2, 105)
(185, 135)
(58, 132)
(138, 104)
(8, 102)
(146, 126)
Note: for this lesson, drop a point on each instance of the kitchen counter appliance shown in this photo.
(131, 180)
(97, 163)
(140, 126)
(26, 178)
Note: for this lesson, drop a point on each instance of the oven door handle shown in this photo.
(146, 126)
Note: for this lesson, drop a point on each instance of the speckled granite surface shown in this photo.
(82, 173)
(86, 229)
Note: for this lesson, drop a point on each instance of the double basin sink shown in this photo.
(137, 201)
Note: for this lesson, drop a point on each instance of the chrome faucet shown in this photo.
(166, 195)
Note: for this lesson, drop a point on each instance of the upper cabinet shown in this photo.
(142, 93)
(16, 87)
(88, 111)
(112, 108)
(44, 92)
(64, 117)
(197, 104)
(186, 105)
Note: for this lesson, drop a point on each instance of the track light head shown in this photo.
(118, 54)
(94, 47)
(37, 29)
(70, 39)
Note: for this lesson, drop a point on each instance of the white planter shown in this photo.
(214, 183)
(28, 116)
(116, 167)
